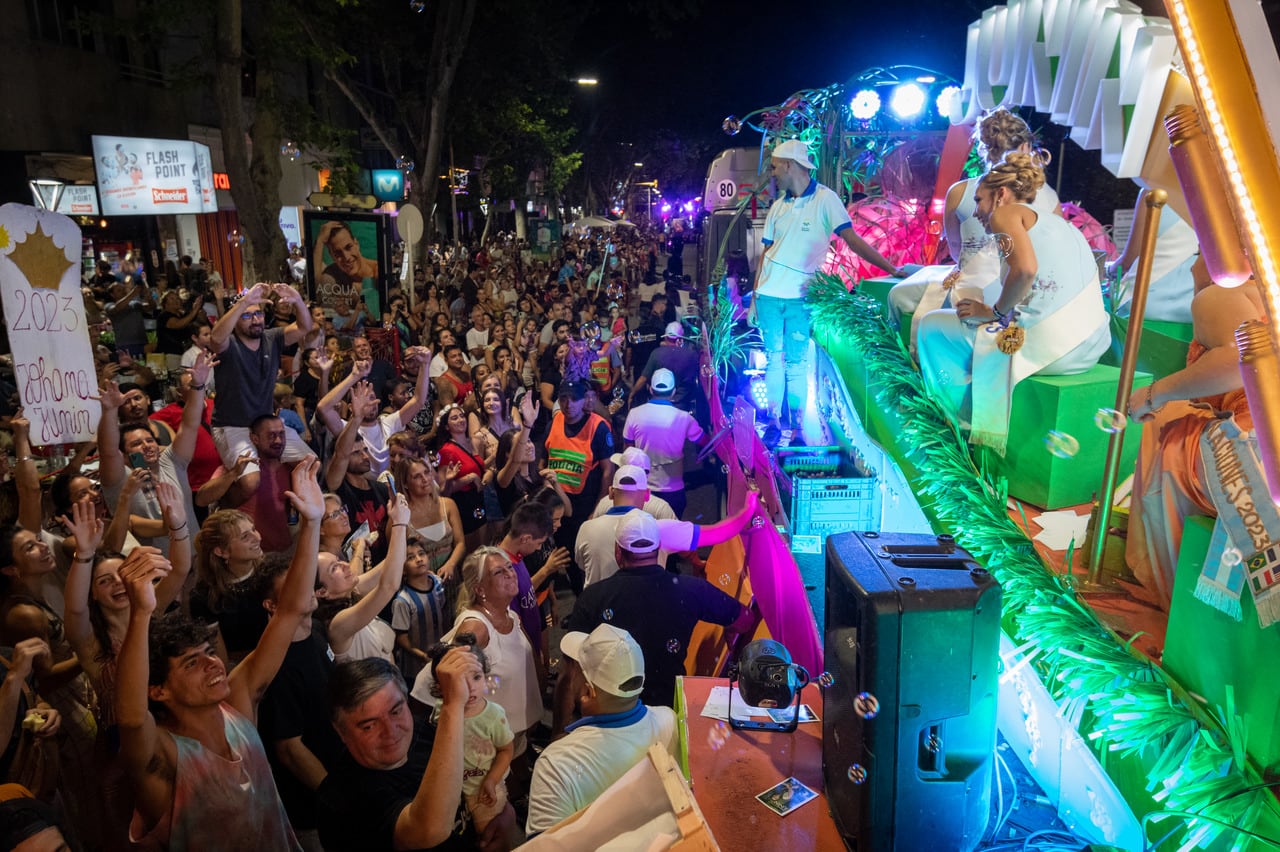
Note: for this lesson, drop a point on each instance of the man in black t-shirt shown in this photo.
(395, 788)
(248, 365)
(658, 609)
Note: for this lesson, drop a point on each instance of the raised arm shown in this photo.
(111, 468)
(174, 513)
(327, 407)
(30, 510)
(346, 624)
(722, 531)
(226, 324)
(420, 388)
(302, 322)
(149, 753)
(428, 820)
(87, 528)
(118, 528)
(184, 442)
(249, 680)
(335, 470)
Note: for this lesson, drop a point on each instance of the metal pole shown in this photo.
(453, 196)
(1155, 200)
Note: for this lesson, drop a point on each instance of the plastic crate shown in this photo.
(815, 460)
(823, 505)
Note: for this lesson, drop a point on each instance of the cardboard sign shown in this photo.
(44, 309)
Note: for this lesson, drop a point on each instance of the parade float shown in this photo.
(1141, 737)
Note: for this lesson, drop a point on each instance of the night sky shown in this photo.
(738, 57)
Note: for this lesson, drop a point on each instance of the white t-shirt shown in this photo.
(797, 236)
(593, 549)
(661, 429)
(375, 437)
(437, 367)
(573, 771)
(375, 639)
(476, 339)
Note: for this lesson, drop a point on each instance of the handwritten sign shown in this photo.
(44, 310)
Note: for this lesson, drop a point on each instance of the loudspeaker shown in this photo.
(909, 730)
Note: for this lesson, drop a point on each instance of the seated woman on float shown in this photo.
(1047, 318)
(1202, 406)
(977, 258)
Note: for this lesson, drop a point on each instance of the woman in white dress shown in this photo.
(1048, 316)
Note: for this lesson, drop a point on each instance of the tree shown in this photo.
(376, 59)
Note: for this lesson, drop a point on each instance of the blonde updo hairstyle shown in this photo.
(999, 132)
(1020, 173)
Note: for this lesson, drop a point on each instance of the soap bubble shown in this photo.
(607, 615)
(724, 579)
(478, 514)
(1231, 557)
(1061, 444)
(590, 330)
(673, 646)
(707, 370)
(943, 378)
(494, 682)
(717, 736)
(404, 164)
(826, 680)
(418, 6)
(1109, 420)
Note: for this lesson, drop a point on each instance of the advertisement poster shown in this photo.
(75, 200)
(44, 309)
(153, 176)
(348, 259)
(544, 235)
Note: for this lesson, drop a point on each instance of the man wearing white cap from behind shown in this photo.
(797, 236)
(594, 549)
(661, 430)
(655, 505)
(606, 671)
(658, 609)
(682, 361)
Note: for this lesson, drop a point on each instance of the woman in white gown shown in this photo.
(999, 132)
(1048, 316)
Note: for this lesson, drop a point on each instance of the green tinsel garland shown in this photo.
(1119, 699)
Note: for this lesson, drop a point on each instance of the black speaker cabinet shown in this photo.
(909, 729)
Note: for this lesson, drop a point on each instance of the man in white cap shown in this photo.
(606, 671)
(680, 360)
(594, 547)
(797, 236)
(658, 609)
(662, 430)
(655, 505)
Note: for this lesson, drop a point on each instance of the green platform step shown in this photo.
(1205, 650)
(1067, 404)
(1163, 349)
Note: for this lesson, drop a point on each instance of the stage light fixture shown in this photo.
(907, 100)
(865, 104)
(946, 98)
(759, 393)
(766, 677)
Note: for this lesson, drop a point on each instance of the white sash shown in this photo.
(996, 374)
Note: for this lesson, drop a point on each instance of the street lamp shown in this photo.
(587, 81)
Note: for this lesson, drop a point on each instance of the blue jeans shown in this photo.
(784, 326)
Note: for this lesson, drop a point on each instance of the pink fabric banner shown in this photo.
(775, 578)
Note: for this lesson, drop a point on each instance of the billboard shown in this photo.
(76, 200)
(138, 177)
(348, 257)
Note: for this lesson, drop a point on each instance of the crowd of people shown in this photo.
(309, 600)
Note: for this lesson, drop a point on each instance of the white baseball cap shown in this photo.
(630, 477)
(664, 381)
(675, 329)
(638, 532)
(794, 149)
(632, 455)
(610, 658)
